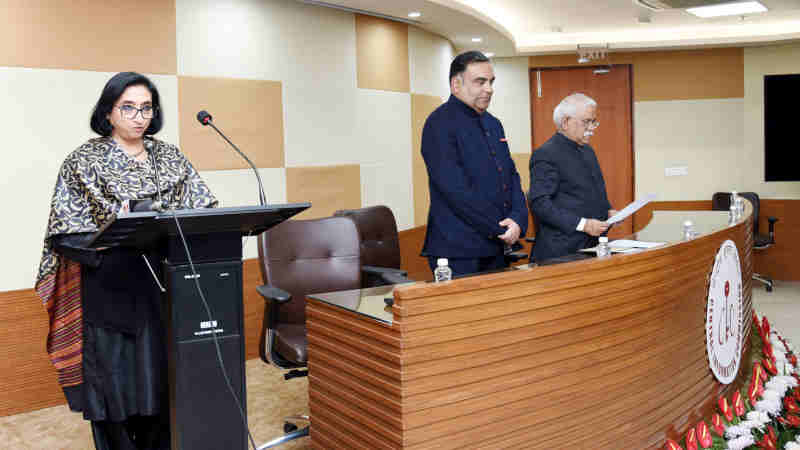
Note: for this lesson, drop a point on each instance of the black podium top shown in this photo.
(144, 229)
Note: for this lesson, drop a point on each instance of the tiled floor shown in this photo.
(270, 398)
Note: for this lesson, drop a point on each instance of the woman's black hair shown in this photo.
(113, 91)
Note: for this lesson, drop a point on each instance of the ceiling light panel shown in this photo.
(727, 9)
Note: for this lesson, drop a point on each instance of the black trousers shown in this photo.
(136, 433)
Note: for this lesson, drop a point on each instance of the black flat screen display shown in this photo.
(781, 143)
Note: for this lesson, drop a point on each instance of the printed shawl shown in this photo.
(92, 185)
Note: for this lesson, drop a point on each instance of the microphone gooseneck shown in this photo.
(206, 120)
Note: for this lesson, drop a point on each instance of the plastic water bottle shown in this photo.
(739, 207)
(603, 250)
(734, 197)
(733, 215)
(688, 230)
(442, 272)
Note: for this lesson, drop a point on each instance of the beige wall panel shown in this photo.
(240, 188)
(429, 58)
(383, 121)
(522, 162)
(39, 143)
(511, 101)
(382, 52)
(673, 75)
(760, 61)
(328, 188)
(703, 135)
(249, 112)
(421, 107)
(112, 35)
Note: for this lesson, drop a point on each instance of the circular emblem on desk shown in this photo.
(724, 319)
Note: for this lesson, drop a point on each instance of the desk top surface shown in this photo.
(666, 226)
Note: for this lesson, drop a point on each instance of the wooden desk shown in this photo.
(600, 353)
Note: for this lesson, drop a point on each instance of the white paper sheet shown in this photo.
(627, 243)
(631, 208)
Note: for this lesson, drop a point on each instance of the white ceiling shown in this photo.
(527, 27)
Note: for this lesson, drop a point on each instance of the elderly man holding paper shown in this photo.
(568, 196)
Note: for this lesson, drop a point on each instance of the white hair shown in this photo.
(569, 107)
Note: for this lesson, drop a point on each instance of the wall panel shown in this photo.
(249, 112)
(112, 36)
(382, 49)
(421, 107)
(429, 57)
(328, 188)
(673, 75)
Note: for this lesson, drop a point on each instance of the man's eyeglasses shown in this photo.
(129, 111)
(590, 123)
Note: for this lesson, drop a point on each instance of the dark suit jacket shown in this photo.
(473, 183)
(566, 185)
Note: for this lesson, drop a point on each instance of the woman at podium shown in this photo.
(106, 337)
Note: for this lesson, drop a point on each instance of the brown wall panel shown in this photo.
(382, 54)
(779, 261)
(776, 262)
(328, 188)
(673, 75)
(421, 107)
(112, 35)
(249, 112)
(522, 161)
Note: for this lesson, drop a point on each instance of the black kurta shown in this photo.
(566, 185)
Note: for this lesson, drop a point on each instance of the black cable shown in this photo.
(196, 278)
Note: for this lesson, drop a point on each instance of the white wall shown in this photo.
(511, 101)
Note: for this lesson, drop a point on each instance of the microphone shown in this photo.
(205, 119)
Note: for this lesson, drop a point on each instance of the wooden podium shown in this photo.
(203, 411)
(599, 353)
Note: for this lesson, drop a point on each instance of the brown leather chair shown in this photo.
(298, 258)
(380, 247)
(721, 201)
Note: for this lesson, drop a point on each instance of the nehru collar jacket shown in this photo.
(473, 183)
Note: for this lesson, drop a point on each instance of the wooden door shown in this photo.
(612, 141)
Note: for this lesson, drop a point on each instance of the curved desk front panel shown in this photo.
(598, 353)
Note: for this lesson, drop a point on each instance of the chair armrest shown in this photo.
(388, 274)
(376, 270)
(772, 221)
(273, 294)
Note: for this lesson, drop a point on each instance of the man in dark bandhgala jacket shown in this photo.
(477, 207)
(568, 197)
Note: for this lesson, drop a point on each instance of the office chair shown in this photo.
(721, 201)
(298, 258)
(380, 246)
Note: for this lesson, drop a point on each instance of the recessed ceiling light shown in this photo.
(489, 54)
(727, 9)
(414, 14)
(477, 39)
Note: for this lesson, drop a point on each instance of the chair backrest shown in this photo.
(307, 257)
(721, 201)
(377, 231)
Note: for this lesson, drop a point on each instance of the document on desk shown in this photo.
(625, 212)
(624, 245)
